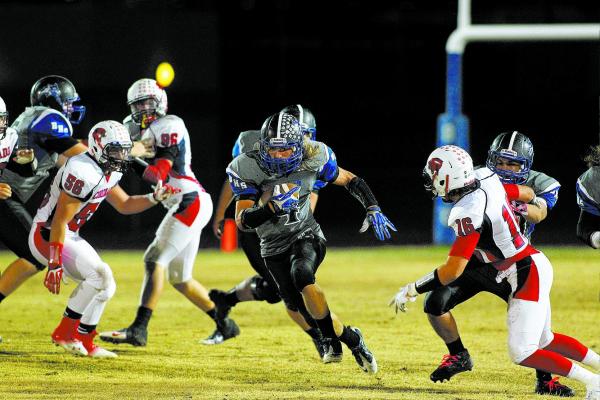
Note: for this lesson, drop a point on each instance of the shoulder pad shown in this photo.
(168, 131)
(471, 209)
(53, 123)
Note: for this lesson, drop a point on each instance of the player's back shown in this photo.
(38, 128)
(487, 210)
(588, 191)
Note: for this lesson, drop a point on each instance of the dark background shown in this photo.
(373, 73)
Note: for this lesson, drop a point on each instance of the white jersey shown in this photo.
(487, 211)
(82, 178)
(167, 132)
(7, 145)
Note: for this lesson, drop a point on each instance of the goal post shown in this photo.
(452, 125)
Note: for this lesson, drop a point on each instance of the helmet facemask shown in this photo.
(508, 175)
(115, 158)
(281, 146)
(64, 104)
(143, 111)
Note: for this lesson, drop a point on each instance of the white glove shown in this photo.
(405, 294)
(162, 192)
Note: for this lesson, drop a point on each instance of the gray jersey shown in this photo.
(249, 181)
(544, 187)
(133, 128)
(48, 133)
(588, 191)
(245, 142)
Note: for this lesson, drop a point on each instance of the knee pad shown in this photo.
(437, 301)
(519, 351)
(262, 290)
(302, 276)
(106, 283)
(546, 339)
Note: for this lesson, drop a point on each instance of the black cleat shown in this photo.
(226, 329)
(452, 365)
(554, 388)
(320, 346)
(364, 358)
(332, 350)
(222, 308)
(133, 335)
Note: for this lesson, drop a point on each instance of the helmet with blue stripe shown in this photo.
(307, 120)
(281, 142)
(59, 93)
(512, 146)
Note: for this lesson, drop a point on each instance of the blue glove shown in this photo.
(379, 222)
(285, 201)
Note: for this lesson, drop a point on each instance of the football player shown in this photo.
(588, 199)
(261, 287)
(272, 186)
(486, 227)
(510, 156)
(177, 238)
(78, 189)
(45, 131)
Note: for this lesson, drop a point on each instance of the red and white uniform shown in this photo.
(7, 144)
(177, 238)
(486, 227)
(82, 178)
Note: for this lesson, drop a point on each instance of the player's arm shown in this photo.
(126, 204)
(248, 214)
(225, 198)
(162, 165)
(314, 198)
(521, 193)
(66, 208)
(362, 192)
(588, 228)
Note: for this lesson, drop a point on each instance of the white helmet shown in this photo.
(3, 118)
(448, 168)
(110, 144)
(147, 101)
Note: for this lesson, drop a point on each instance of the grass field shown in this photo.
(272, 359)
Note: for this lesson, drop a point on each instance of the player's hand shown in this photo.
(53, 277)
(217, 226)
(380, 223)
(405, 294)
(519, 207)
(164, 192)
(143, 149)
(24, 156)
(5, 191)
(285, 202)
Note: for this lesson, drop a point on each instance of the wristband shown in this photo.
(55, 257)
(429, 282)
(150, 197)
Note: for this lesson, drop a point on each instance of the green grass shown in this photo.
(272, 359)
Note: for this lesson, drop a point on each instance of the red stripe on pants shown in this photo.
(531, 289)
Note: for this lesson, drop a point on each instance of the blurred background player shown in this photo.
(261, 287)
(510, 156)
(44, 131)
(588, 199)
(78, 189)
(486, 227)
(177, 238)
(271, 186)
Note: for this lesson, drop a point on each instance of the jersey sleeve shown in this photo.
(242, 186)
(318, 185)
(51, 125)
(585, 201)
(236, 151)
(77, 180)
(329, 171)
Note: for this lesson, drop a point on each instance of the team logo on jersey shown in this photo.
(434, 165)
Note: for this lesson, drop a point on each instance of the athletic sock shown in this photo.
(84, 329)
(2, 297)
(592, 359)
(314, 333)
(568, 347)
(71, 314)
(549, 361)
(582, 375)
(212, 313)
(231, 297)
(543, 375)
(143, 317)
(455, 347)
(350, 338)
(326, 326)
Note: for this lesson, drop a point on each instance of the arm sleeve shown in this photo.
(242, 189)
(59, 145)
(464, 246)
(512, 191)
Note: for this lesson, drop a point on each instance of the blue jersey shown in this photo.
(48, 133)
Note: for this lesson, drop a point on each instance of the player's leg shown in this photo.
(528, 321)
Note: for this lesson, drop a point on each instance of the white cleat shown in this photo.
(593, 391)
(74, 346)
(99, 352)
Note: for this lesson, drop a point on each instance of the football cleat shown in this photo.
(363, 356)
(320, 346)
(222, 308)
(226, 329)
(452, 365)
(593, 390)
(65, 336)
(133, 335)
(93, 350)
(553, 387)
(332, 350)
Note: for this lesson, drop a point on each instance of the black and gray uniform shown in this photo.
(479, 278)
(292, 245)
(48, 133)
(588, 199)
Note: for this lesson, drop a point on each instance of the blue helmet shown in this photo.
(307, 120)
(281, 131)
(58, 93)
(513, 146)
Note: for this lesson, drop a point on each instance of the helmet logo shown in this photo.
(434, 165)
(98, 134)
